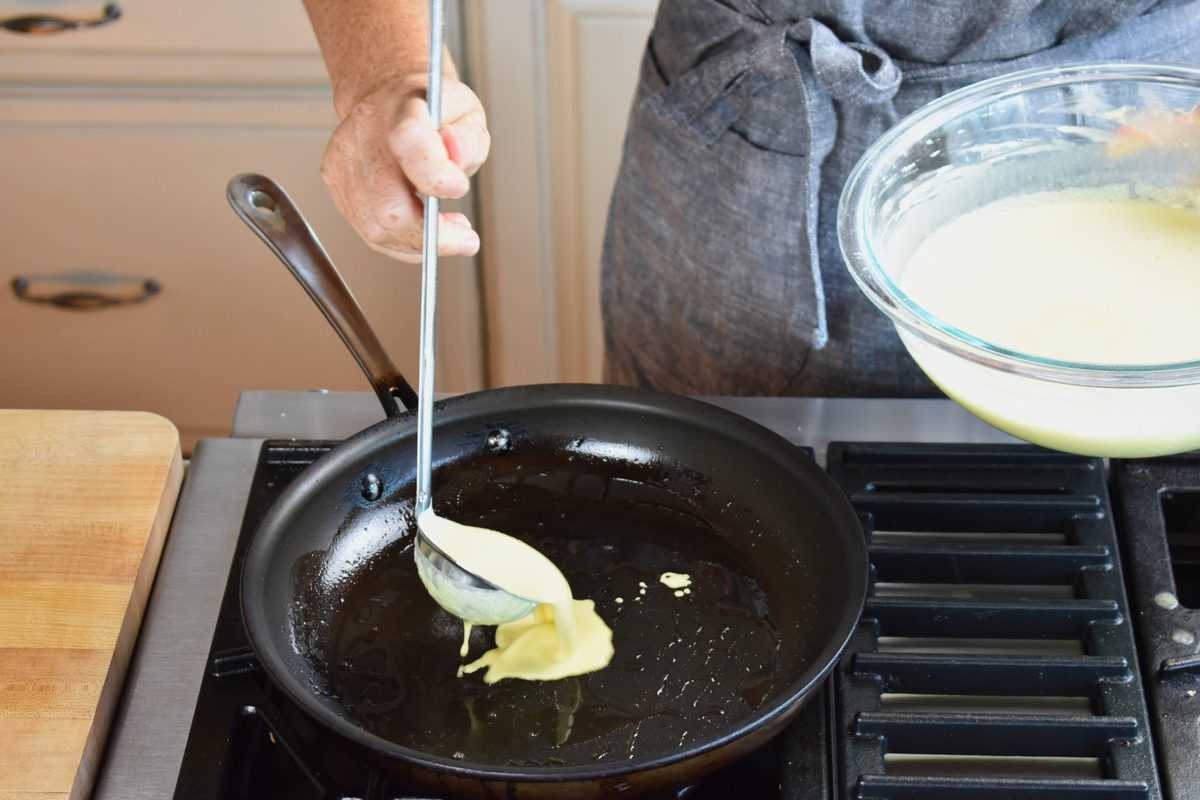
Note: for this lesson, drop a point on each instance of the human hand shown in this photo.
(386, 155)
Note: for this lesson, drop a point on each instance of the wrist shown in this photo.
(404, 79)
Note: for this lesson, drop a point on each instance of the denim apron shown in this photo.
(721, 269)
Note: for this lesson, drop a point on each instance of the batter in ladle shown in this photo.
(562, 637)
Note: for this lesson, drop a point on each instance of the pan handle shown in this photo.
(264, 206)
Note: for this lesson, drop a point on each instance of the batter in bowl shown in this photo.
(1089, 276)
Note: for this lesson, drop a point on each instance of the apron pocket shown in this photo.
(706, 261)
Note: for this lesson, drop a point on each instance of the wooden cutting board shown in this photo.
(85, 501)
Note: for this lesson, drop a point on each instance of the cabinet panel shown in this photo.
(143, 196)
(266, 26)
(162, 40)
(594, 49)
(240, 42)
(558, 78)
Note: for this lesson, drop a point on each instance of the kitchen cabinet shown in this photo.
(215, 41)
(557, 78)
(115, 147)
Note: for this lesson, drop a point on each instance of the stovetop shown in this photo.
(996, 657)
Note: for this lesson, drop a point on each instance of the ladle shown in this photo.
(266, 208)
(461, 592)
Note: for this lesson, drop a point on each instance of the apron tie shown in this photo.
(718, 93)
(850, 72)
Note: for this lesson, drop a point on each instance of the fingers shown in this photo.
(464, 129)
(382, 209)
(467, 141)
(441, 165)
(422, 153)
(386, 155)
(390, 222)
(456, 237)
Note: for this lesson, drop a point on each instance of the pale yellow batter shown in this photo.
(466, 645)
(1079, 276)
(560, 638)
(1088, 275)
(675, 580)
(530, 648)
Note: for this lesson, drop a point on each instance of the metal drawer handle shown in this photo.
(86, 291)
(38, 24)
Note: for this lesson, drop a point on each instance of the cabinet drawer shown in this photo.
(167, 40)
(140, 193)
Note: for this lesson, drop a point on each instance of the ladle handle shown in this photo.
(266, 208)
(429, 276)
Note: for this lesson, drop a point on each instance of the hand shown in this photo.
(386, 155)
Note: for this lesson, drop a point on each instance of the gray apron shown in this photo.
(721, 270)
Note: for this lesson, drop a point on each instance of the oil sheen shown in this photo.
(682, 667)
(561, 638)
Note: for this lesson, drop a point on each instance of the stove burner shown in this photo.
(996, 657)
(1160, 508)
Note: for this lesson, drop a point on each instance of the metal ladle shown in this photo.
(461, 592)
(269, 212)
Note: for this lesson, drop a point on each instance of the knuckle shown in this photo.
(366, 108)
(374, 232)
(405, 128)
(446, 186)
(391, 217)
(329, 174)
(408, 140)
(421, 177)
(411, 241)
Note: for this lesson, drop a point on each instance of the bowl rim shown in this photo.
(905, 313)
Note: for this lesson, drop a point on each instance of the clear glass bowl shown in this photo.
(1034, 131)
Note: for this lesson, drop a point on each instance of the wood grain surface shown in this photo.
(85, 502)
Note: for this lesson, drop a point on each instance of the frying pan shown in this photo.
(617, 486)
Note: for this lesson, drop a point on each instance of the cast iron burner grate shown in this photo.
(1160, 511)
(995, 658)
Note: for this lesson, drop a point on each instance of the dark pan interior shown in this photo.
(615, 493)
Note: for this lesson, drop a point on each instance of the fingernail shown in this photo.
(453, 146)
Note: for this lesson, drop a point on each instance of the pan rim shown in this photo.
(790, 698)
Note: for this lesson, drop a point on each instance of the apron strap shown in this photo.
(709, 99)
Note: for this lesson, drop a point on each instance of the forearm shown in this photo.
(365, 42)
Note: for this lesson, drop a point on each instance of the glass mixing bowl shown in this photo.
(1034, 131)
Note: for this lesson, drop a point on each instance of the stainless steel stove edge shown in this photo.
(811, 421)
(150, 731)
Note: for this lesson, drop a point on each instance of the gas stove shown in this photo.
(1012, 592)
